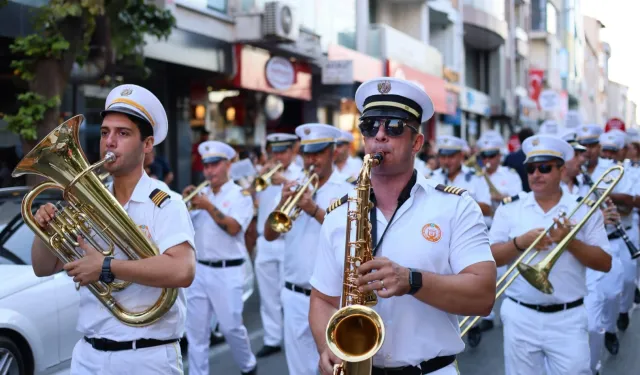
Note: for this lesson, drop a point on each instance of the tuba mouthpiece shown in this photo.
(109, 157)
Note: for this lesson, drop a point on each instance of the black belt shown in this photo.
(550, 308)
(107, 345)
(616, 234)
(295, 288)
(222, 263)
(426, 367)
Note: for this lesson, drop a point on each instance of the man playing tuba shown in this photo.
(134, 121)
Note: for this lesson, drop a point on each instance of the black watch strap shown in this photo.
(415, 281)
(106, 275)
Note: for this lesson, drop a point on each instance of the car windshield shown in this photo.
(15, 236)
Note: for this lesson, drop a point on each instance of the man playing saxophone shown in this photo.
(432, 259)
(538, 326)
(318, 146)
(133, 122)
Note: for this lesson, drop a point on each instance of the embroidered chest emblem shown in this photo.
(145, 230)
(226, 204)
(431, 232)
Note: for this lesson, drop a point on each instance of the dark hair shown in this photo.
(524, 134)
(146, 129)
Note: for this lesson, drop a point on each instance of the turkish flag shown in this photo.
(535, 83)
(514, 143)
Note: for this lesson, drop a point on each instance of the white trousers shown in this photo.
(630, 267)
(594, 303)
(269, 276)
(530, 337)
(163, 359)
(300, 348)
(217, 290)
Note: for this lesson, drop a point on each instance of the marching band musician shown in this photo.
(538, 326)
(452, 171)
(318, 147)
(346, 164)
(270, 257)
(601, 149)
(431, 248)
(220, 217)
(133, 122)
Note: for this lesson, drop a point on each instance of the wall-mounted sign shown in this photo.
(337, 72)
(280, 73)
(549, 100)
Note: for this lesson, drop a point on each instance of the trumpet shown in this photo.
(91, 211)
(187, 199)
(282, 220)
(262, 182)
(619, 228)
(538, 275)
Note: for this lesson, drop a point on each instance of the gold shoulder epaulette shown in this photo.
(450, 189)
(508, 200)
(621, 163)
(587, 201)
(337, 203)
(158, 197)
(352, 180)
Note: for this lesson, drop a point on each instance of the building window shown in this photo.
(538, 15)
(218, 5)
(552, 19)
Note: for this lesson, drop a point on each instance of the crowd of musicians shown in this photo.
(441, 242)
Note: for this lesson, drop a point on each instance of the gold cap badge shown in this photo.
(126, 92)
(535, 142)
(307, 131)
(384, 87)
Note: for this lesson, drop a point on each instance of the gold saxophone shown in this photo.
(91, 212)
(355, 332)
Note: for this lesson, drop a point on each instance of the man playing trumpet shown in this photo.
(318, 147)
(538, 326)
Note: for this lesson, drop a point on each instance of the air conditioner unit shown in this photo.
(280, 22)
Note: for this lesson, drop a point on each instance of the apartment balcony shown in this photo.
(442, 13)
(484, 28)
(522, 43)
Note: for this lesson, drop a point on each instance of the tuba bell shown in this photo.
(282, 220)
(90, 211)
(355, 333)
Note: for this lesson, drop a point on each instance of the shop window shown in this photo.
(218, 5)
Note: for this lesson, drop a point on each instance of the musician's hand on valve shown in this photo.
(278, 179)
(327, 362)
(525, 240)
(200, 201)
(287, 192)
(560, 230)
(88, 268)
(611, 215)
(306, 203)
(188, 190)
(45, 214)
(389, 279)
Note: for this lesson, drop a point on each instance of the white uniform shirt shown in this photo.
(166, 227)
(212, 242)
(300, 241)
(508, 182)
(624, 186)
(432, 231)
(351, 168)
(466, 179)
(568, 274)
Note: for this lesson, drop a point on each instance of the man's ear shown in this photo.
(418, 141)
(148, 144)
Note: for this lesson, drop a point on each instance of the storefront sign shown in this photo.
(549, 100)
(573, 119)
(477, 102)
(364, 68)
(432, 85)
(337, 72)
(280, 73)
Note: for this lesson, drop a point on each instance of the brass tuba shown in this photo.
(91, 211)
(187, 199)
(282, 220)
(355, 333)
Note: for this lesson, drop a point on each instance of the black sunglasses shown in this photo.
(542, 168)
(488, 155)
(393, 127)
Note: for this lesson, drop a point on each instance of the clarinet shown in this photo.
(619, 228)
(445, 171)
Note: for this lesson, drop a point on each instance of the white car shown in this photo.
(38, 315)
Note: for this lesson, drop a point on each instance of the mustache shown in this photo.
(382, 148)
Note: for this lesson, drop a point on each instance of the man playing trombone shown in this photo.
(133, 122)
(270, 255)
(318, 146)
(220, 217)
(539, 326)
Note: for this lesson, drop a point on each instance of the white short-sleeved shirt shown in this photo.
(432, 231)
(300, 241)
(466, 179)
(212, 242)
(351, 167)
(166, 226)
(568, 274)
(508, 182)
(624, 186)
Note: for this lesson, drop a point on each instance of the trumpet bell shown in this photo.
(260, 184)
(537, 276)
(355, 333)
(280, 222)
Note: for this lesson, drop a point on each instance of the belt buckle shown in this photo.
(224, 263)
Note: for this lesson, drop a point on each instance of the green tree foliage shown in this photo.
(75, 35)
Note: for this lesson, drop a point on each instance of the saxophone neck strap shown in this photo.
(403, 197)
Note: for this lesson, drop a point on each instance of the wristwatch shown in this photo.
(415, 280)
(106, 276)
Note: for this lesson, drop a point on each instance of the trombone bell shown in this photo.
(537, 276)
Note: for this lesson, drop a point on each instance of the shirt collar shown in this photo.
(142, 189)
(226, 186)
(565, 201)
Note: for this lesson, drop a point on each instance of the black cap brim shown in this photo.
(212, 159)
(279, 148)
(340, 143)
(489, 154)
(589, 141)
(610, 148)
(315, 147)
(448, 152)
(541, 159)
(387, 113)
(125, 111)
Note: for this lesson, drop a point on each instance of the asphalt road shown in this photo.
(486, 359)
